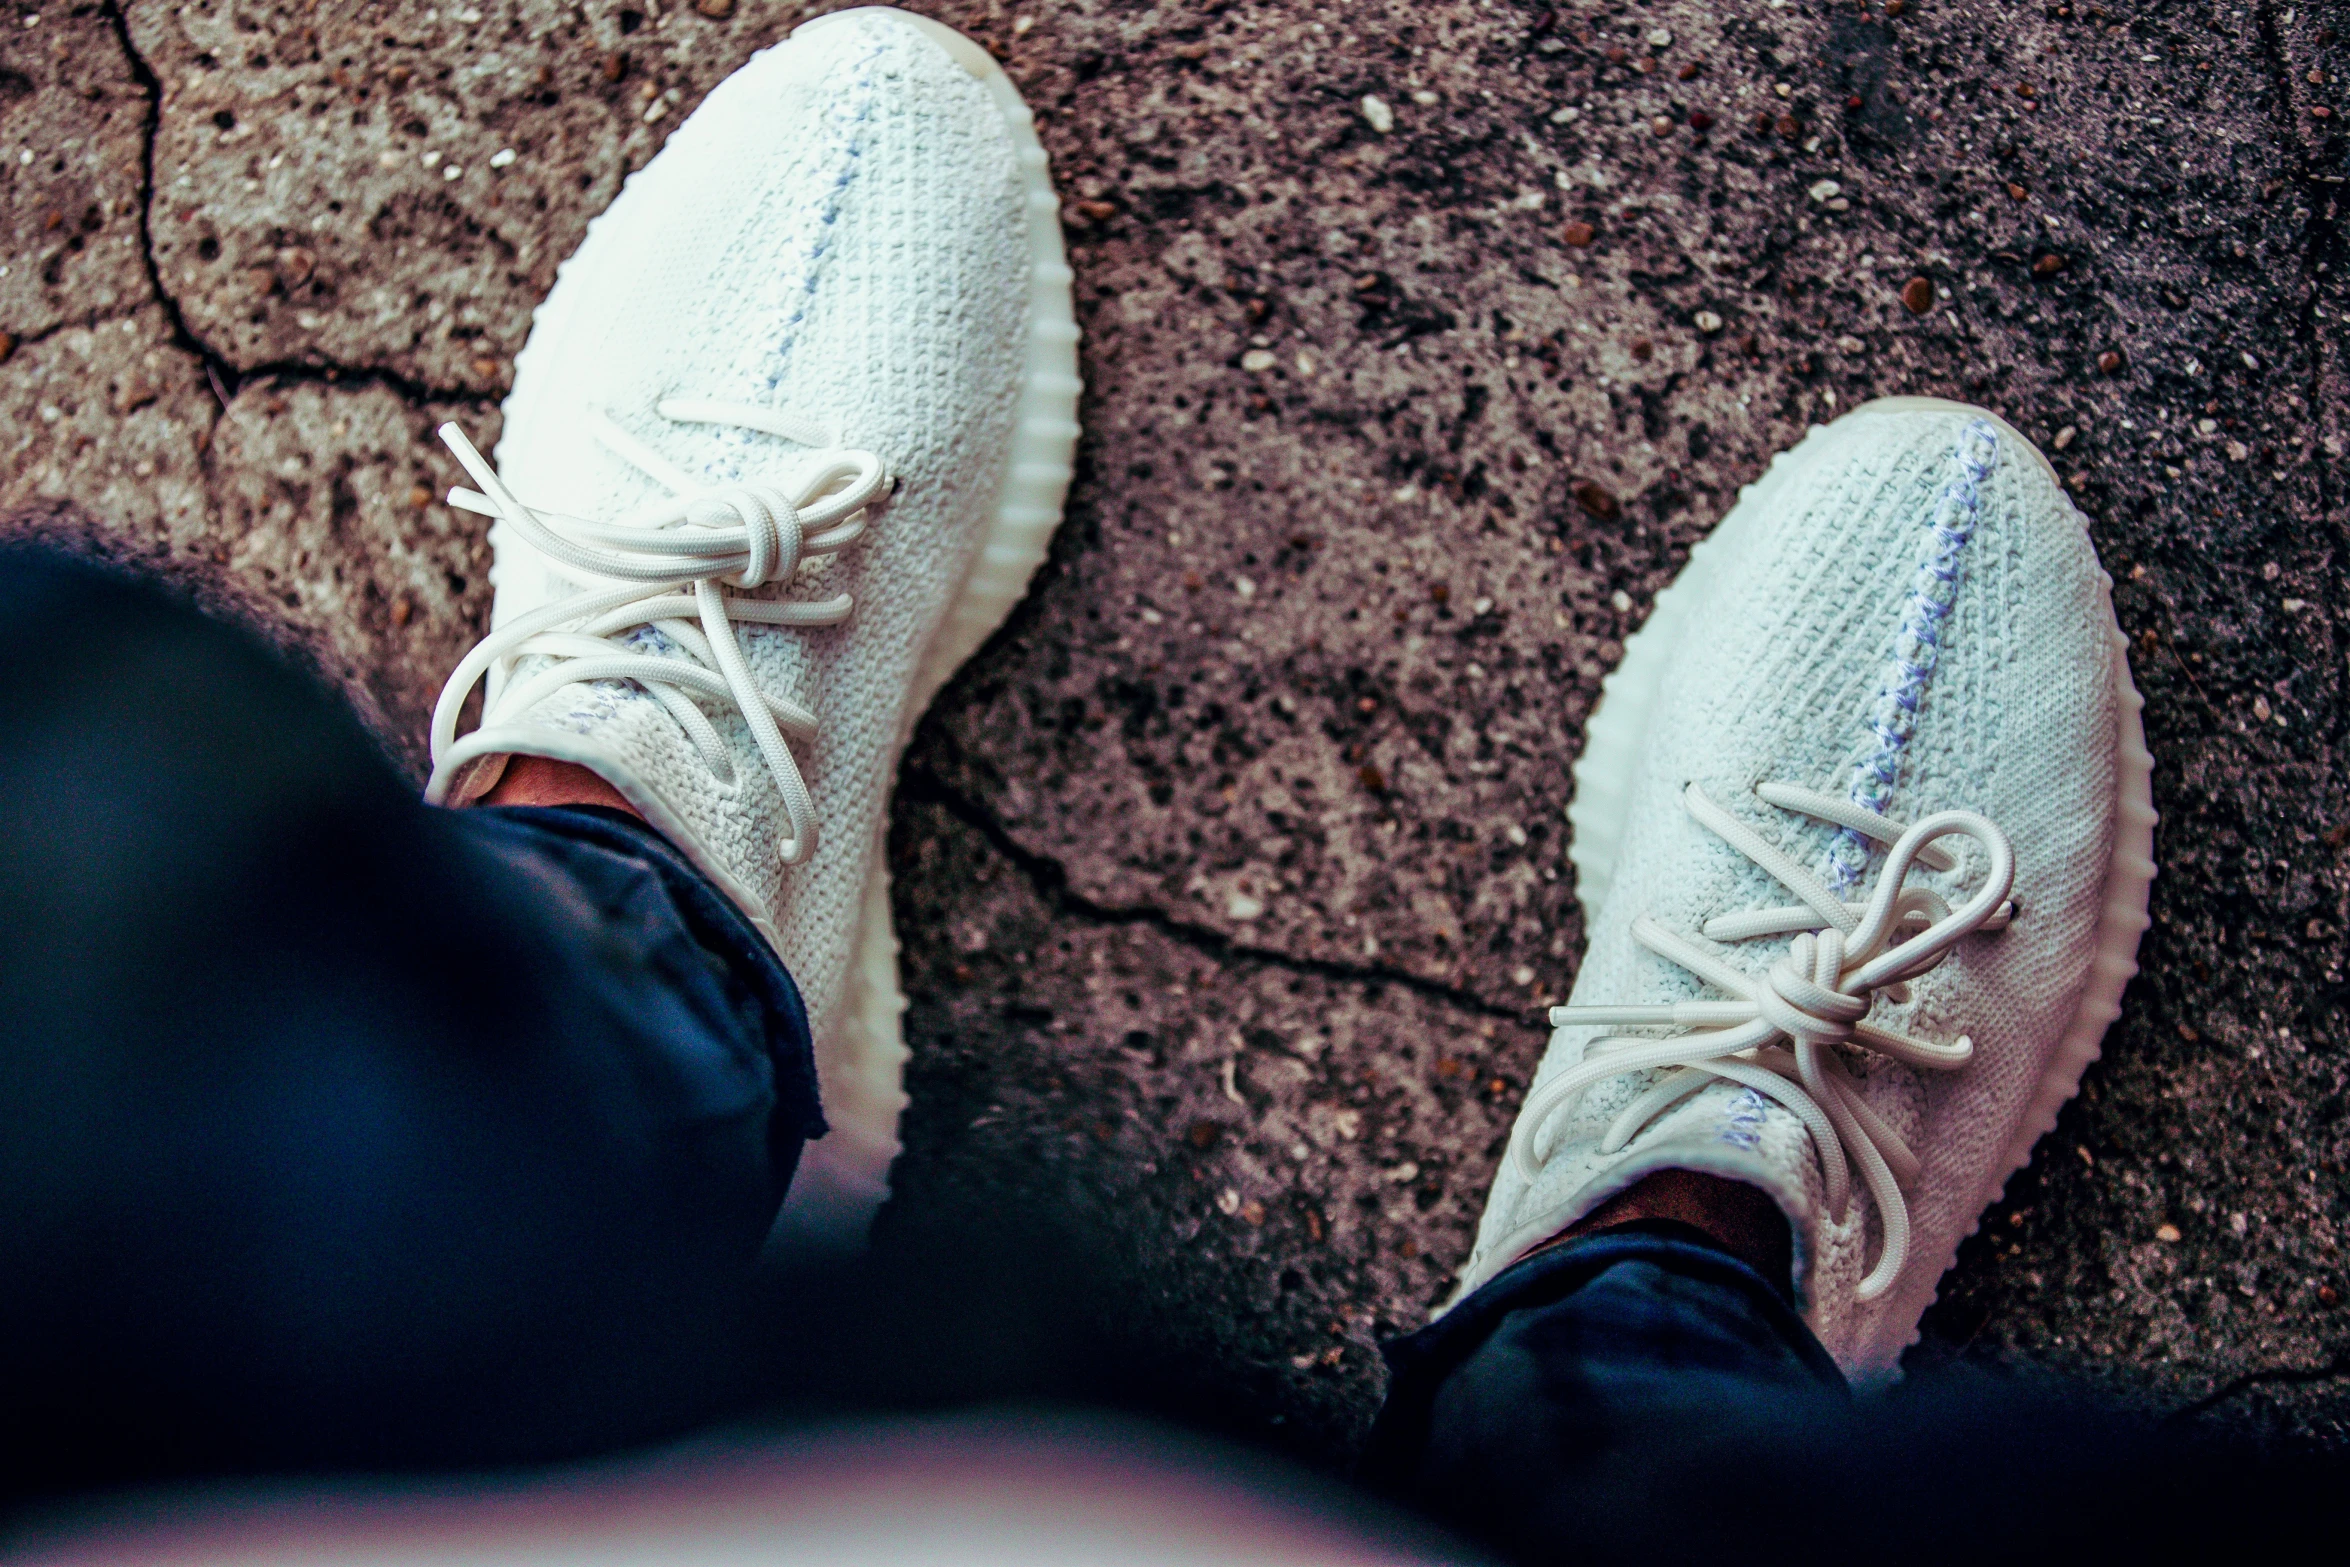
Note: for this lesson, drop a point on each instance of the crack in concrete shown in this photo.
(1045, 876)
(226, 376)
(2322, 252)
(2320, 240)
(1050, 881)
(23, 340)
(2336, 1365)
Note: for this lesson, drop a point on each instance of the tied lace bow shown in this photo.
(683, 567)
(1783, 1034)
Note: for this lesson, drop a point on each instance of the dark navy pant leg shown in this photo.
(1640, 1396)
(337, 1130)
(1541, 1407)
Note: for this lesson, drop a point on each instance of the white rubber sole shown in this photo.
(1602, 800)
(843, 1177)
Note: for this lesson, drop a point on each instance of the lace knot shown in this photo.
(1800, 998)
(773, 534)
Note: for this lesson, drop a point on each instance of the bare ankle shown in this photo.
(1741, 1219)
(541, 780)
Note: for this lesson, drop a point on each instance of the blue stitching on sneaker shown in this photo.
(1917, 646)
(845, 123)
(850, 129)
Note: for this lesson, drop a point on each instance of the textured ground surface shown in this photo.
(1233, 874)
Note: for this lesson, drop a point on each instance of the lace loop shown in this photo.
(669, 625)
(1783, 1033)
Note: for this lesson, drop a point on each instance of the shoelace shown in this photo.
(1781, 1033)
(685, 564)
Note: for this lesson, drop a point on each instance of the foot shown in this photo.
(1863, 833)
(785, 444)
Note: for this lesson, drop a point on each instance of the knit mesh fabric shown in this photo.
(1779, 679)
(838, 232)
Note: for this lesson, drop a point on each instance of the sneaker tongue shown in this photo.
(1731, 1131)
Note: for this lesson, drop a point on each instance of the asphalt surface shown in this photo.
(1421, 342)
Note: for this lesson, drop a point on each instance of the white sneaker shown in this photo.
(1891, 686)
(813, 376)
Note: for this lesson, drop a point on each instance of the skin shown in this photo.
(537, 780)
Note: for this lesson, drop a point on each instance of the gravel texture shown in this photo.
(1422, 340)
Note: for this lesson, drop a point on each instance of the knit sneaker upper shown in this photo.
(1903, 624)
(819, 291)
